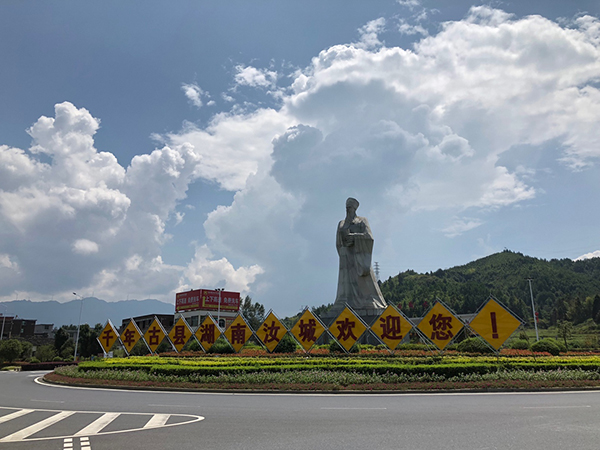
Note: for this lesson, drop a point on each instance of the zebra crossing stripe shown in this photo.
(25, 432)
(97, 425)
(157, 420)
(92, 429)
(14, 415)
(84, 442)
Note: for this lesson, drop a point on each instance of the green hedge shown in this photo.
(446, 369)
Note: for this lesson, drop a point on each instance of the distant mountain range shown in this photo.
(94, 310)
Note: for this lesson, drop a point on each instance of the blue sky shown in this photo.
(149, 148)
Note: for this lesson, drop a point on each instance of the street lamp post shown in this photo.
(78, 326)
(219, 290)
(537, 336)
(3, 322)
(12, 324)
(2, 332)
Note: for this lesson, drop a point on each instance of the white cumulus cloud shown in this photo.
(594, 254)
(252, 76)
(81, 220)
(425, 138)
(194, 94)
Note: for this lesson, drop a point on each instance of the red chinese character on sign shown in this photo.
(390, 327)
(208, 333)
(271, 331)
(129, 337)
(238, 334)
(345, 328)
(307, 330)
(154, 335)
(441, 327)
(179, 337)
(107, 336)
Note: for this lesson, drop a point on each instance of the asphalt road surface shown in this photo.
(37, 416)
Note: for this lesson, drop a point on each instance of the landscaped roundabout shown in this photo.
(370, 370)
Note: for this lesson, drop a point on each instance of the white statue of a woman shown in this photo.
(357, 285)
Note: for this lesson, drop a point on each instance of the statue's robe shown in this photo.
(357, 285)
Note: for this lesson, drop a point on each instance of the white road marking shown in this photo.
(362, 409)
(84, 443)
(97, 425)
(26, 432)
(171, 405)
(157, 420)
(557, 407)
(94, 428)
(47, 401)
(14, 415)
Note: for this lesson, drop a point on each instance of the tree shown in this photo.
(254, 313)
(88, 343)
(60, 337)
(596, 309)
(26, 350)
(564, 330)
(10, 350)
(318, 310)
(139, 349)
(67, 350)
(45, 353)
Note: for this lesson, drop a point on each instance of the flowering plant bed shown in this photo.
(345, 373)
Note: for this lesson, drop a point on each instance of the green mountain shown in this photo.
(562, 289)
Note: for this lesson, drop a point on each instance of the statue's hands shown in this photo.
(348, 240)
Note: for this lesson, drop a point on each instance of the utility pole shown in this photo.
(377, 270)
(537, 336)
(219, 290)
(78, 326)
(2, 332)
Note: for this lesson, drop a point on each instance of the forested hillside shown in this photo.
(563, 289)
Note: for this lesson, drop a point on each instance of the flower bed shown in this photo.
(360, 372)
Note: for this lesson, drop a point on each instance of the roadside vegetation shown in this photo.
(369, 369)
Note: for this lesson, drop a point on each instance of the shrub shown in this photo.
(45, 353)
(10, 350)
(164, 346)
(67, 349)
(519, 344)
(139, 349)
(287, 345)
(412, 347)
(33, 360)
(26, 349)
(473, 345)
(334, 347)
(221, 346)
(192, 346)
(546, 345)
(523, 335)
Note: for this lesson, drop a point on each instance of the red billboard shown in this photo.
(205, 299)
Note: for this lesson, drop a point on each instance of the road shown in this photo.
(35, 416)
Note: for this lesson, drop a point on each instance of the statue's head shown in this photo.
(352, 203)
